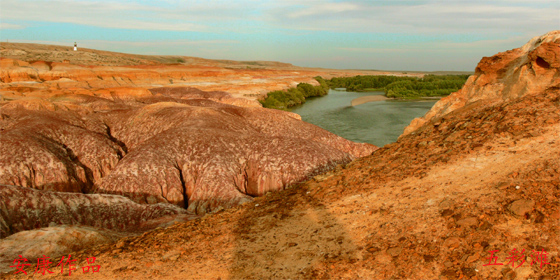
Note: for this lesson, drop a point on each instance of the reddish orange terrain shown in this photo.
(469, 191)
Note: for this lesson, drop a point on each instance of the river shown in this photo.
(378, 122)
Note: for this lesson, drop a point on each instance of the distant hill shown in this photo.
(34, 52)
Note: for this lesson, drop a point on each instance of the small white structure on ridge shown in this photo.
(75, 46)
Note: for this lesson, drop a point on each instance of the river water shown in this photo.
(378, 122)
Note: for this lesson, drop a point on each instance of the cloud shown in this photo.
(498, 44)
(160, 43)
(137, 44)
(448, 45)
(361, 16)
(183, 16)
(376, 50)
(312, 31)
(426, 17)
(4, 25)
(324, 9)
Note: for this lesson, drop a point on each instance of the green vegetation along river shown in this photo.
(378, 122)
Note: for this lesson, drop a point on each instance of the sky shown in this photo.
(399, 35)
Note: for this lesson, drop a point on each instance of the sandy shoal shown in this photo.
(369, 98)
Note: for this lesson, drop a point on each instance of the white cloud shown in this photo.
(4, 25)
(397, 16)
(376, 50)
(433, 17)
(127, 15)
(324, 9)
(494, 45)
(159, 43)
(137, 44)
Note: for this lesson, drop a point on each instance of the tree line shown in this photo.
(402, 87)
(282, 100)
(393, 86)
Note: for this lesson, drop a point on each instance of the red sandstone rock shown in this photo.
(204, 155)
(15, 71)
(24, 208)
(433, 205)
(183, 147)
(530, 69)
(55, 150)
(51, 242)
(192, 93)
(522, 206)
(23, 64)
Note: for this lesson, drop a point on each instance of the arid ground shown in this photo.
(471, 190)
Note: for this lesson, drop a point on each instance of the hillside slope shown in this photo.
(479, 182)
(40, 52)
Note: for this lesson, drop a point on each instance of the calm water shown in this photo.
(378, 123)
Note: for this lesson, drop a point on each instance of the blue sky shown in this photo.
(385, 35)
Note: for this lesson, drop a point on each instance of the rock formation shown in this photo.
(75, 124)
(68, 131)
(476, 185)
(184, 146)
(46, 146)
(23, 208)
(203, 154)
(530, 69)
(480, 175)
(62, 71)
(433, 205)
(51, 241)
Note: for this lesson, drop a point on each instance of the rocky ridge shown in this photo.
(25, 208)
(48, 70)
(530, 69)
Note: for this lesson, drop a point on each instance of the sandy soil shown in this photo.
(366, 99)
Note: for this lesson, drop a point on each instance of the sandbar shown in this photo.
(369, 98)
